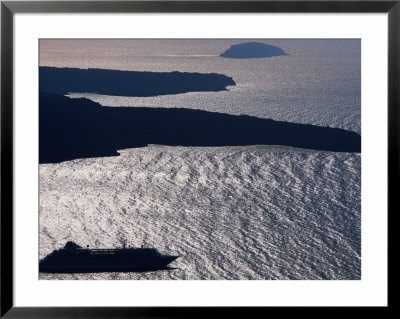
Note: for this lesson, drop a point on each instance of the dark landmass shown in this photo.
(79, 128)
(252, 50)
(128, 83)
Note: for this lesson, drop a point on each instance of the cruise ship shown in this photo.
(72, 258)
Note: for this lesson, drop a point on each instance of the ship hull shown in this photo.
(74, 259)
(93, 265)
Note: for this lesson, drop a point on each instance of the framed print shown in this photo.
(163, 155)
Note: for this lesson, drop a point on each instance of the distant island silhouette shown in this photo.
(80, 128)
(128, 83)
(251, 50)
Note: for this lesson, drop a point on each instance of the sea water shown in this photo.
(248, 212)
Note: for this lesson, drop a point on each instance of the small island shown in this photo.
(252, 50)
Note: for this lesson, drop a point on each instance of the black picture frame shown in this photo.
(9, 8)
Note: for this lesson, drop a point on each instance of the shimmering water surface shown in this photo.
(254, 212)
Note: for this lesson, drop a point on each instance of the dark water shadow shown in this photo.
(79, 128)
(105, 270)
(252, 50)
(128, 83)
